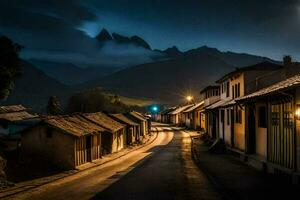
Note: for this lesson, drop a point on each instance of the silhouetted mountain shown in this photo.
(140, 42)
(231, 58)
(136, 40)
(103, 36)
(69, 73)
(172, 52)
(172, 79)
(34, 88)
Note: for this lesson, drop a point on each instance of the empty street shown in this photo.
(161, 170)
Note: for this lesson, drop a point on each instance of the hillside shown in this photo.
(34, 88)
(166, 80)
(69, 73)
(171, 80)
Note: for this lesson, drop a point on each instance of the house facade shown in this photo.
(13, 120)
(193, 117)
(132, 128)
(211, 95)
(274, 115)
(114, 139)
(232, 117)
(177, 116)
(66, 141)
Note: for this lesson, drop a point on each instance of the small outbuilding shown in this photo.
(132, 128)
(142, 121)
(114, 138)
(14, 119)
(66, 141)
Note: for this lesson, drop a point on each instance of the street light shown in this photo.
(189, 98)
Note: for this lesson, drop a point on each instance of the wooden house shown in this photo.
(132, 128)
(194, 117)
(14, 119)
(67, 141)
(142, 121)
(114, 139)
(273, 126)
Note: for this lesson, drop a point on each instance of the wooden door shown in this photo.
(281, 137)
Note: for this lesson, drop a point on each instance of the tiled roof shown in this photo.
(180, 109)
(17, 116)
(12, 108)
(197, 105)
(75, 125)
(104, 121)
(282, 85)
(124, 119)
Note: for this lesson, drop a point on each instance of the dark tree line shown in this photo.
(10, 65)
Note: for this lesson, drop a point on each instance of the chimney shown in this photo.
(287, 61)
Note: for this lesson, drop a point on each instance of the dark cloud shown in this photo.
(266, 27)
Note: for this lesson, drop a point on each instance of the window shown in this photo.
(238, 116)
(262, 119)
(233, 92)
(228, 116)
(227, 89)
(49, 133)
(238, 90)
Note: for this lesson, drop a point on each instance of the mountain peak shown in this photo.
(173, 51)
(140, 42)
(103, 36)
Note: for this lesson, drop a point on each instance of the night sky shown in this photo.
(262, 27)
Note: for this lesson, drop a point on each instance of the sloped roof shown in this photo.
(17, 116)
(180, 109)
(75, 125)
(197, 105)
(166, 111)
(124, 119)
(210, 87)
(104, 121)
(216, 104)
(282, 85)
(263, 66)
(137, 116)
(11, 108)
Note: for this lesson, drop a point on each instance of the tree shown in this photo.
(10, 65)
(53, 107)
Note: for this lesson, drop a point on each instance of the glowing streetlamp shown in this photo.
(189, 98)
(154, 108)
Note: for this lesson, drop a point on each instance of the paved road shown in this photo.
(162, 170)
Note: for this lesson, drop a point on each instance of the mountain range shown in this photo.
(172, 79)
(168, 78)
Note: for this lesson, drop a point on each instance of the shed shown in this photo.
(114, 138)
(67, 141)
